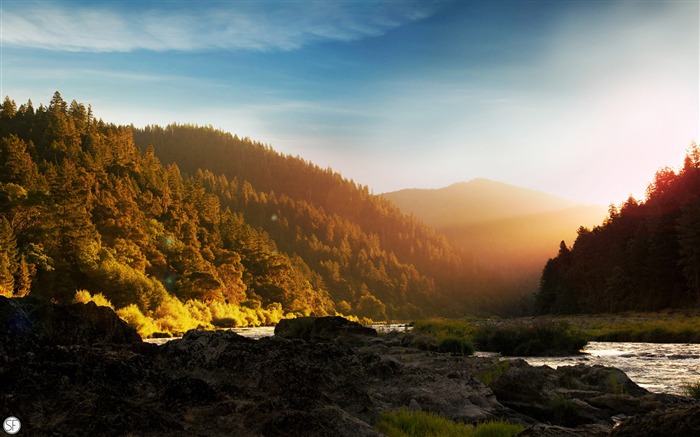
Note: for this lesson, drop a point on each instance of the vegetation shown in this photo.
(644, 257)
(656, 330)
(530, 339)
(407, 423)
(374, 261)
(83, 210)
(511, 338)
(692, 390)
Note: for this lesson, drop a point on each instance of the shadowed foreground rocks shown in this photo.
(79, 370)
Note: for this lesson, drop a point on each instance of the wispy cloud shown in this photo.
(259, 26)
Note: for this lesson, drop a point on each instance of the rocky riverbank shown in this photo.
(79, 370)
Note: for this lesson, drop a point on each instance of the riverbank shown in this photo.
(78, 369)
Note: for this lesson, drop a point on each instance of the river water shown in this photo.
(658, 367)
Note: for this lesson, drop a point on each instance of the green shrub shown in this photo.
(530, 339)
(444, 327)
(692, 389)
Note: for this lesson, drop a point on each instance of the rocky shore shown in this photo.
(79, 370)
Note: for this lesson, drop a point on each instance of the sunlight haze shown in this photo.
(584, 100)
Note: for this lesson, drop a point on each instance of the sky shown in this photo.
(582, 99)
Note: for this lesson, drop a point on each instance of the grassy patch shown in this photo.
(454, 336)
(407, 423)
(674, 329)
(493, 372)
(530, 339)
(692, 389)
(512, 338)
(456, 345)
(496, 429)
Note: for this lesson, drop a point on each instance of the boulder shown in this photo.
(29, 323)
(321, 328)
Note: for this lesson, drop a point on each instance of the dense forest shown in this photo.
(229, 232)
(359, 244)
(645, 256)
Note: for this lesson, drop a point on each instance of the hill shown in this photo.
(644, 256)
(474, 202)
(507, 230)
(187, 226)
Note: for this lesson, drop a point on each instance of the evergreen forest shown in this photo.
(644, 257)
(183, 226)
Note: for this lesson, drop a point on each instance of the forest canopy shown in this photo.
(645, 256)
(187, 226)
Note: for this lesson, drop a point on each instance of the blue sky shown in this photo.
(583, 99)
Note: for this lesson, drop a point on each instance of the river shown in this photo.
(658, 367)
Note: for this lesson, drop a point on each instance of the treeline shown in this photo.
(85, 214)
(645, 256)
(371, 257)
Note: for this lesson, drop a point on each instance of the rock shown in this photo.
(321, 328)
(571, 395)
(95, 378)
(29, 323)
(542, 430)
(681, 421)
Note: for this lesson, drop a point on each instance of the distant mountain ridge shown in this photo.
(508, 230)
(476, 201)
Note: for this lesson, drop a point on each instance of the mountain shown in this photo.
(183, 226)
(473, 202)
(507, 230)
(645, 256)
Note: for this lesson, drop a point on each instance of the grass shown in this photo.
(408, 423)
(564, 335)
(648, 329)
(510, 338)
(692, 389)
(536, 338)
(493, 372)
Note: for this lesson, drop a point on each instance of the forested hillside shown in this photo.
(361, 245)
(645, 256)
(84, 212)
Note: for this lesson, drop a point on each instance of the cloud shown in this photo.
(257, 26)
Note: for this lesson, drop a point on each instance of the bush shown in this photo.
(145, 326)
(456, 345)
(84, 296)
(530, 339)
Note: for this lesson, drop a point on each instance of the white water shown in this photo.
(658, 367)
